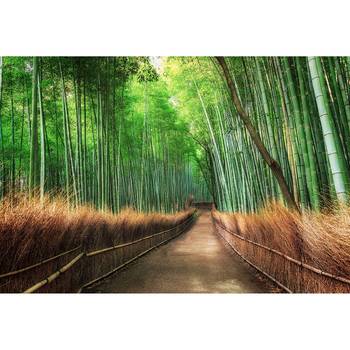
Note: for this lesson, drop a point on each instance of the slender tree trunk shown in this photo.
(308, 135)
(13, 150)
(85, 196)
(301, 133)
(21, 141)
(2, 165)
(42, 143)
(79, 148)
(34, 154)
(68, 142)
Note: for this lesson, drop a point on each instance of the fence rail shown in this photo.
(56, 274)
(284, 256)
(43, 262)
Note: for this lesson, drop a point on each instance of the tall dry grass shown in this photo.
(31, 231)
(321, 240)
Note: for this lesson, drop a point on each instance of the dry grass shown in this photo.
(318, 239)
(31, 232)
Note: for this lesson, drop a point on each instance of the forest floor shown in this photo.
(196, 262)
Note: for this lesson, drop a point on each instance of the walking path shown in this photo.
(197, 261)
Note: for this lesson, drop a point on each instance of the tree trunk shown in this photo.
(34, 154)
(2, 170)
(42, 142)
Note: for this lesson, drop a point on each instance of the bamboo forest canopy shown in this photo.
(269, 128)
(102, 130)
(125, 131)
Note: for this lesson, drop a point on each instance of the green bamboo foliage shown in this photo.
(111, 132)
(301, 137)
(306, 132)
(299, 108)
(34, 154)
(42, 142)
(100, 130)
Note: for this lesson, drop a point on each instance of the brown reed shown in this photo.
(321, 240)
(32, 231)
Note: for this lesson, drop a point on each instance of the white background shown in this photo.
(179, 27)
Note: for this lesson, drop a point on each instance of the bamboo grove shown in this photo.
(99, 130)
(118, 132)
(298, 109)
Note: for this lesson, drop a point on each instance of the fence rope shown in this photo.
(296, 262)
(70, 264)
(11, 273)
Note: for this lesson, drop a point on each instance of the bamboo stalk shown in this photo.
(335, 155)
(272, 163)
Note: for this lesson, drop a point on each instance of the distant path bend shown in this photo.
(198, 261)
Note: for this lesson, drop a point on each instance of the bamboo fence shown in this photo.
(12, 273)
(87, 268)
(292, 275)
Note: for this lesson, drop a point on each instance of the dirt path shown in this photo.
(197, 261)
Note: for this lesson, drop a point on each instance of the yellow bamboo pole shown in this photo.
(53, 276)
(11, 273)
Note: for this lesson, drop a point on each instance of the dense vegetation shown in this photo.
(275, 236)
(289, 113)
(149, 134)
(119, 131)
(32, 231)
(101, 130)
